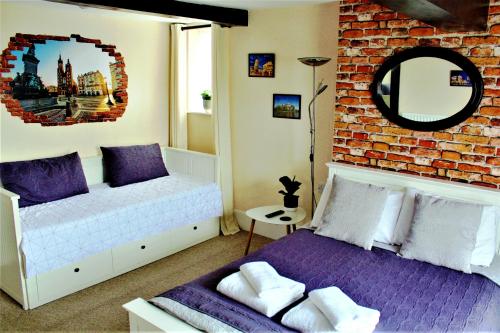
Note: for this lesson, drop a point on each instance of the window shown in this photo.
(199, 67)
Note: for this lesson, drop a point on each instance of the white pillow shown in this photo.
(486, 241)
(443, 232)
(389, 218)
(353, 212)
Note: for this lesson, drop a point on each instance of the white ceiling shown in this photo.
(257, 4)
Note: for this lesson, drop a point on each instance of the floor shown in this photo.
(98, 308)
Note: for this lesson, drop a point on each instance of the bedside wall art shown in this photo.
(286, 106)
(58, 80)
(261, 65)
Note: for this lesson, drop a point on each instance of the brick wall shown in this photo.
(469, 152)
(22, 41)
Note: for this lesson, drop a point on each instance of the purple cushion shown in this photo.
(133, 164)
(44, 180)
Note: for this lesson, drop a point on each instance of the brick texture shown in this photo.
(21, 41)
(468, 152)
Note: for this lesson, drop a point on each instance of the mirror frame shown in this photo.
(434, 52)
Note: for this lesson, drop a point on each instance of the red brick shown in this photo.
(365, 69)
(380, 146)
(493, 161)
(373, 128)
(377, 32)
(396, 131)
(473, 158)
(408, 141)
(384, 16)
(348, 18)
(422, 169)
(492, 92)
(417, 32)
(365, 25)
(348, 101)
(359, 144)
(427, 143)
(472, 130)
(481, 52)
(401, 158)
(473, 168)
(367, 8)
(399, 149)
(495, 30)
(484, 150)
(475, 41)
(471, 138)
(490, 111)
(457, 147)
(384, 138)
(491, 179)
(375, 154)
(444, 164)
(432, 153)
(495, 71)
(341, 150)
(352, 33)
(345, 134)
(356, 159)
(395, 165)
(402, 41)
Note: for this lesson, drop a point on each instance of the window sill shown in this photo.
(200, 113)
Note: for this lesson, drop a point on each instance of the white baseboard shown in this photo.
(263, 229)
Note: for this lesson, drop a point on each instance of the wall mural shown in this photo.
(54, 80)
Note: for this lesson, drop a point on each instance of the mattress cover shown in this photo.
(410, 295)
(61, 232)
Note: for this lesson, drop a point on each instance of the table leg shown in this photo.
(250, 234)
(288, 229)
(294, 227)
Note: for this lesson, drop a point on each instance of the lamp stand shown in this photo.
(314, 62)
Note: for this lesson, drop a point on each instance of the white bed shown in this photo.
(146, 317)
(54, 249)
(62, 232)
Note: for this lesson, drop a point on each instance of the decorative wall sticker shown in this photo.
(57, 80)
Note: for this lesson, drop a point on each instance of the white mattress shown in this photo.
(58, 233)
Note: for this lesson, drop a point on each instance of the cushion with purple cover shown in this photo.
(44, 180)
(133, 164)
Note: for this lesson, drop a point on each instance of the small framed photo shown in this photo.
(261, 65)
(286, 106)
(459, 79)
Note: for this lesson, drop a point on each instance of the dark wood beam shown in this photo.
(171, 8)
(447, 15)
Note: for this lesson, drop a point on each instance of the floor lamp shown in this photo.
(314, 62)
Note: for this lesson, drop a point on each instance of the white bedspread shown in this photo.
(58, 233)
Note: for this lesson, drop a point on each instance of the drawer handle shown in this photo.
(143, 247)
(195, 228)
(77, 270)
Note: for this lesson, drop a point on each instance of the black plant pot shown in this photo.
(291, 202)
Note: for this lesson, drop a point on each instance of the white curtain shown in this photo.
(222, 124)
(178, 88)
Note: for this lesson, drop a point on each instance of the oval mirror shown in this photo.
(427, 88)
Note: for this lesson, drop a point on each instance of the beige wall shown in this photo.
(201, 133)
(144, 45)
(266, 148)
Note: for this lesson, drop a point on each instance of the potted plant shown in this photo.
(207, 100)
(290, 200)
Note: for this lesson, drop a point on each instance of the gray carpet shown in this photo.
(98, 308)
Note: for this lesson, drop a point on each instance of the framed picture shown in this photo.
(286, 106)
(261, 65)
(459, 79)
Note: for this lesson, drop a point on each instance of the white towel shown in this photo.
(306, 317)
(342, 312)
(237, 287)
(262, 277)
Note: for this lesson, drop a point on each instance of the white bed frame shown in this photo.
(43, 288)
(145, 317)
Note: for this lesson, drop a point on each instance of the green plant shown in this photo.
(206, 95)
(291, 185)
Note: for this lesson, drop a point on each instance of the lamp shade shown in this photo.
(314, 61)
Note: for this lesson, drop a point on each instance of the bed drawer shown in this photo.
(74, 277)
(139, 253)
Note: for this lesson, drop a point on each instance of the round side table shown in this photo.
(259, 214)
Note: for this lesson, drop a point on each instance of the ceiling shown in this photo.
(257, 4)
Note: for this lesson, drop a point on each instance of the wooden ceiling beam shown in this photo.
(447, 15)
(171, 8)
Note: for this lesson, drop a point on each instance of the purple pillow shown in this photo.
(133, 164)
(44, 180)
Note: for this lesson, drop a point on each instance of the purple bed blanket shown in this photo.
(410, 295)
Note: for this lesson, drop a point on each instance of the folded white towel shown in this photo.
(237, 287)
(306, 317)
(342, 312)
(262, 277)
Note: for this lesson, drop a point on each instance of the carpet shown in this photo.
(99, 308)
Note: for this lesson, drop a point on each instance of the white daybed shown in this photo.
(33, 283)
(145, 317)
